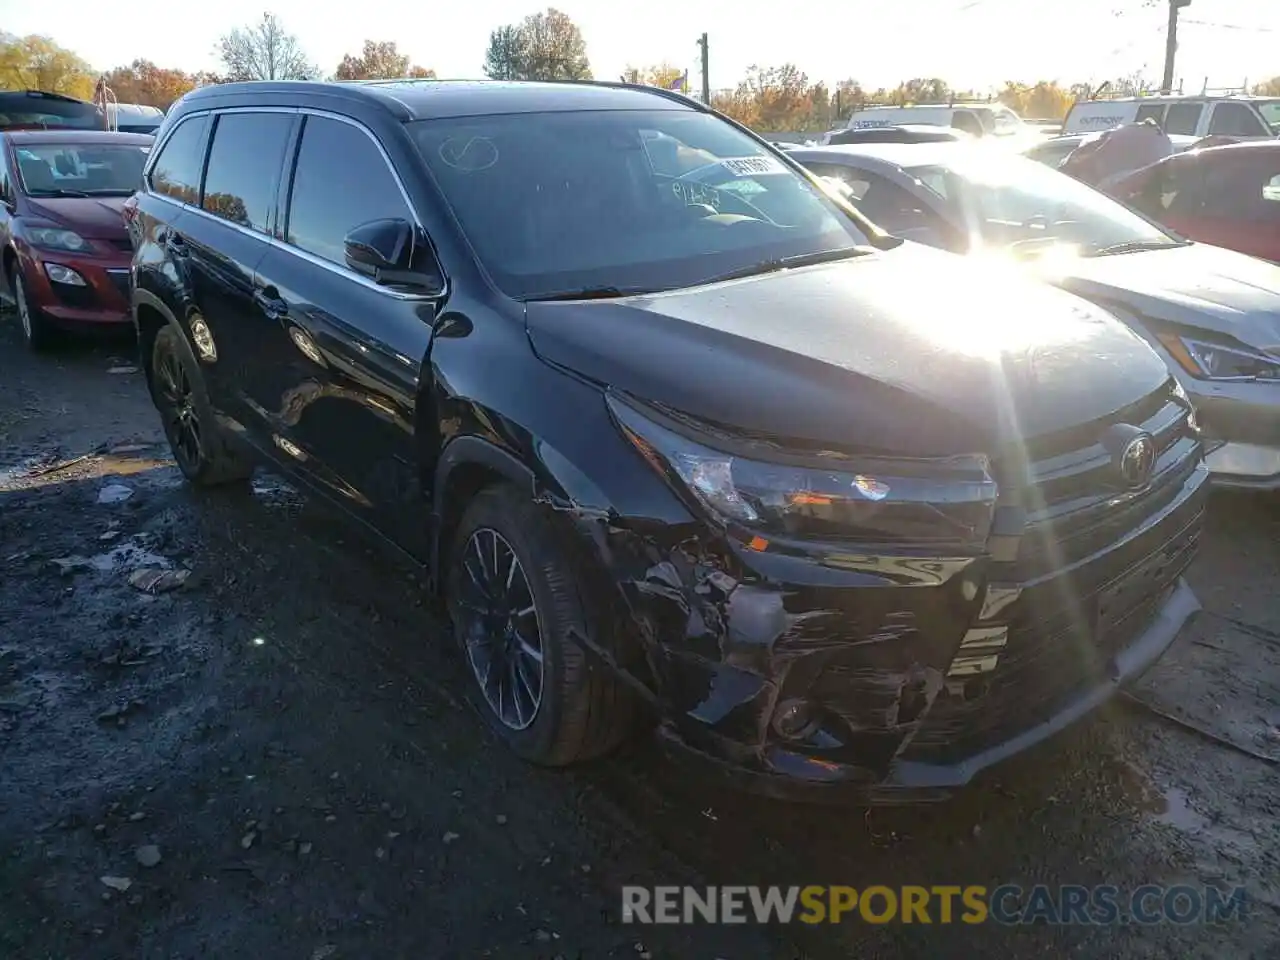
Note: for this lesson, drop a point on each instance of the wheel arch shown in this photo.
(8, 260)
(150, 316)
(467, 465)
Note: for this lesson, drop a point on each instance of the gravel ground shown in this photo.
(274, 760)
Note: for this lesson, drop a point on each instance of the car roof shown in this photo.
(428, 99)
(1244, 145)
(76, 136)
(1176, 98)
(900, 154)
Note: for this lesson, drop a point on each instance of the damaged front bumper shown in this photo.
(812, 674)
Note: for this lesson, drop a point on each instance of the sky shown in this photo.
(970, 43)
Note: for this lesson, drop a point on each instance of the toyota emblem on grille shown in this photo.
(1137, 460)
(1133, 455)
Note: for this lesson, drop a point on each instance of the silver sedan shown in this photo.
(1213, 315)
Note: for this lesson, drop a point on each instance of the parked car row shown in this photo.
(1213, 315)
(690, 439)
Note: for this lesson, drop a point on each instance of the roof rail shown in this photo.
(46, 95)
(675, 95)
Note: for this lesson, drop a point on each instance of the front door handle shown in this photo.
(272, 304)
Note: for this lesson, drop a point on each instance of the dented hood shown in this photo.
(910, 351)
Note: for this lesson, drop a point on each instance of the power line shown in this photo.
(1232, 26)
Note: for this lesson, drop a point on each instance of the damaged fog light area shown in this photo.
(941, 503)
(795, 719)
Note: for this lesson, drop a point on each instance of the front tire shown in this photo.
(516, 610)
(178, 391)
(36, 332)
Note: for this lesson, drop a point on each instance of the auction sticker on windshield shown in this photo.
(752, 166)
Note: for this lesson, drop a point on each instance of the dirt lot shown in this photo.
(286, 731)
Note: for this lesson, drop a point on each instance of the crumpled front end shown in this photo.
(896, 677)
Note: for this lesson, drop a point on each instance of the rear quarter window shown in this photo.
(1237, 120)
(176, 172)
(1183, 119)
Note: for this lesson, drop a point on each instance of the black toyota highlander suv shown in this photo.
(684, 440)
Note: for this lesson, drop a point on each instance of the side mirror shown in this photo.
(389, 252)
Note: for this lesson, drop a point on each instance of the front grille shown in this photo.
(120, 280)
(1091, 554)
(1075, 506)
(77, 297)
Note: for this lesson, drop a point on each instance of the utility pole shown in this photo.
(1171, 44)
(706, 69)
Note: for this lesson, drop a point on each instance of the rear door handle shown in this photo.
(272, 304)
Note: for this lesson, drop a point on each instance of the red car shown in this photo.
(64, 248)
(1224, 196)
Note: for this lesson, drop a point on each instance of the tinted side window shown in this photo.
(966, 121)
(901, 213)
(1236, 120)
(5, 190)
(177, 169)
(341, 181)
(1229, 192)
(1153, 110)
(244, 167)
(1182, 119)
(1181, 189)
(855, 179)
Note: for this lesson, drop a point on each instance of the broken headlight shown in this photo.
(1208, 360)
(947, 502)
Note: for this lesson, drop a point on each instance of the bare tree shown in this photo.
(264, 51)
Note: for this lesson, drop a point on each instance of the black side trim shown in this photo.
(463, 451)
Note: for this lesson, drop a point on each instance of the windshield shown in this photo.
(1012, 202)
(21, 110)
(634, 200)
(88, 169)
(1270, 110)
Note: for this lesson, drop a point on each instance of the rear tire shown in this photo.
(178, 391)
(579, 711)
(36, 331)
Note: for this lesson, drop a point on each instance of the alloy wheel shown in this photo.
(498, 618)
(176, 400)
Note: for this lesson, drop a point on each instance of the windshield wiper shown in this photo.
(786, 263)
(589, 293)
(57, 192)
(1137, 246)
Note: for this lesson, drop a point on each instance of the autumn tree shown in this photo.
(662, 75)
(543, 46)
(781, 96)
(1270, 88)
(738, 104)
(37, 63)
(206, 78)
(264, 51)
(143, 82)
(926, 90)
(380, 60)
(1046, 99)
